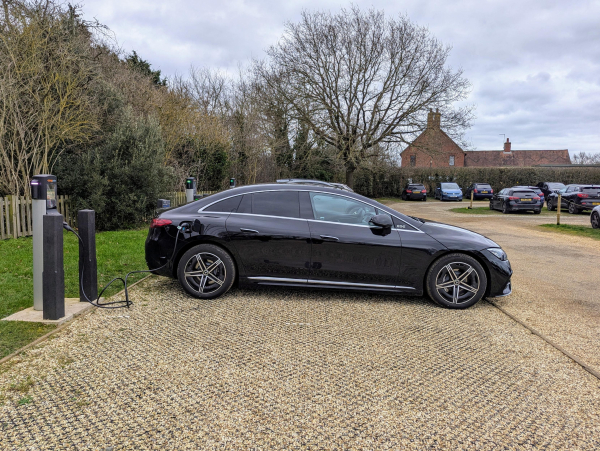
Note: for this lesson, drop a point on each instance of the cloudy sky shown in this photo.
(534, 65)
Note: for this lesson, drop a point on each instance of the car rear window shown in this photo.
(482, 186)
(416, 187)
(523, 193)
(225, 206)
(595, 190)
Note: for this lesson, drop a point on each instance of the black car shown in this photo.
(516, 199)
(480, 191)
(576, 198)
(535, 189)
(319, 237)
(414, 191)
(550, 187)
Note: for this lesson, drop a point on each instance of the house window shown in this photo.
(413, 160)
(451, 160)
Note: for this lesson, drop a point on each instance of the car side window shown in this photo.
(276, 203)
(226, 205)
(332, 208)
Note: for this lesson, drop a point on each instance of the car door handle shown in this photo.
(329, 238)
(248, 230)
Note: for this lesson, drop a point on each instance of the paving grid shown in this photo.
(296, 369)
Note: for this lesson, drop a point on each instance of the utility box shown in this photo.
(163, 203)
(232, 182)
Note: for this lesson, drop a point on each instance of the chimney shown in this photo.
(437, 119)
(430, 116)
(507, 146)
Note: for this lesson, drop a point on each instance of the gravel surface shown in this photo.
(295, 369)
(556, 281)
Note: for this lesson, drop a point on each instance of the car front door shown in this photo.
(346, 249)
(271, 239)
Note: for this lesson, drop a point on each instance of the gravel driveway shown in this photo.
(299, 369)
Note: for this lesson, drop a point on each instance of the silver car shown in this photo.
(595, 217)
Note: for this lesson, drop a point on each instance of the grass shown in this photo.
(117, 253)
(486, 211)
(574, 230)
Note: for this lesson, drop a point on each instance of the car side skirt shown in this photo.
(311, 283)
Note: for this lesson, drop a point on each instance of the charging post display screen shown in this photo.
(51, 195)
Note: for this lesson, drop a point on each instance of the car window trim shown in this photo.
(201, 210)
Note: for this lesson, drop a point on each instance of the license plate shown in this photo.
(416, 192)
(525, 200)
(484, 192)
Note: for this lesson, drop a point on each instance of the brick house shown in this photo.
(435, 149)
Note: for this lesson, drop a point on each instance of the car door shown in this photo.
(567, 195)
(346, 249)
(271, 239)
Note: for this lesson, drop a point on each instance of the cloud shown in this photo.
(534, 66)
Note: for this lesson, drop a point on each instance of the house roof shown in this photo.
(490, 158)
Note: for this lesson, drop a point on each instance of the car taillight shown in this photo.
(513, 198)
(474, 190)
(492, 191)
(409, 190)
(157, 222)
(424, 191)
(582, 195)
(536, 198)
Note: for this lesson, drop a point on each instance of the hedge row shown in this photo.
(389, 183)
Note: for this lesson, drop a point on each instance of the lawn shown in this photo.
(117, 253)
(574, 230)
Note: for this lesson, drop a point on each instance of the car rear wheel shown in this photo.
(573, 208)
(595, 220)
(505, 209)
(456, 281)
(206, 271)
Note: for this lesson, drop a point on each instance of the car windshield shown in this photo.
(450, 186)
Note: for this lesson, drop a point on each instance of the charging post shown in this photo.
(43, 199)
(190, 189)
(88, 265)
(54, 271)
(232, 182)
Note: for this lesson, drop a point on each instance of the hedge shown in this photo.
(390, 182)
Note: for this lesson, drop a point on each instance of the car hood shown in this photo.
(456, 237)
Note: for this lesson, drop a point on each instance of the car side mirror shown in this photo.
(383, 221)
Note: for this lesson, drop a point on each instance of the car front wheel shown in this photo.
(206, 271)
(595, 220)
(550, 205)
(456, 281)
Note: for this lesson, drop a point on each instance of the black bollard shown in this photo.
(86, 221)
(53, 276)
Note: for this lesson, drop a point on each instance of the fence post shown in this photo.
(13, 216)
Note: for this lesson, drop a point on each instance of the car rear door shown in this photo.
(271, 239)
(346, 250)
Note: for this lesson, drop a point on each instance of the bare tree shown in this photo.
(586, 158)
(362, 81)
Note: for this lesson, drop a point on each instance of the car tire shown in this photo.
(537, 212)
(595, 220)
(199, 259)
(441, 288)
(573, 209)
(505, 209)
(491, 208)
(550, 205)
(424, 199)
(460, 200)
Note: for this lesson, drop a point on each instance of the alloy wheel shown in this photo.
(457, 282)
(596, 220)
(205, 272)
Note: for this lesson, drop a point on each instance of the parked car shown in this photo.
(550, 187)
(480, 191)
(320, 237)
(414, 191)
(576, 198)
(535, 189)
(448, 191)
(595, 217)
(516, 199)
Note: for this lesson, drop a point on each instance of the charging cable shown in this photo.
(126, 302)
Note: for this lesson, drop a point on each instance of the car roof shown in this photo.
(313, 183)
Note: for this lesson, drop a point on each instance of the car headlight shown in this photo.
(498, 253)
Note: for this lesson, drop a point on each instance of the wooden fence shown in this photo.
(15, 215)
(15, 212)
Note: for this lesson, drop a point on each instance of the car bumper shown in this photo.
(500, 273)
(587, 206)
(419, 196)
(451, 196)
(526, 207)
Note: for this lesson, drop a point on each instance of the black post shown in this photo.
(53, 276)
(86, 221)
